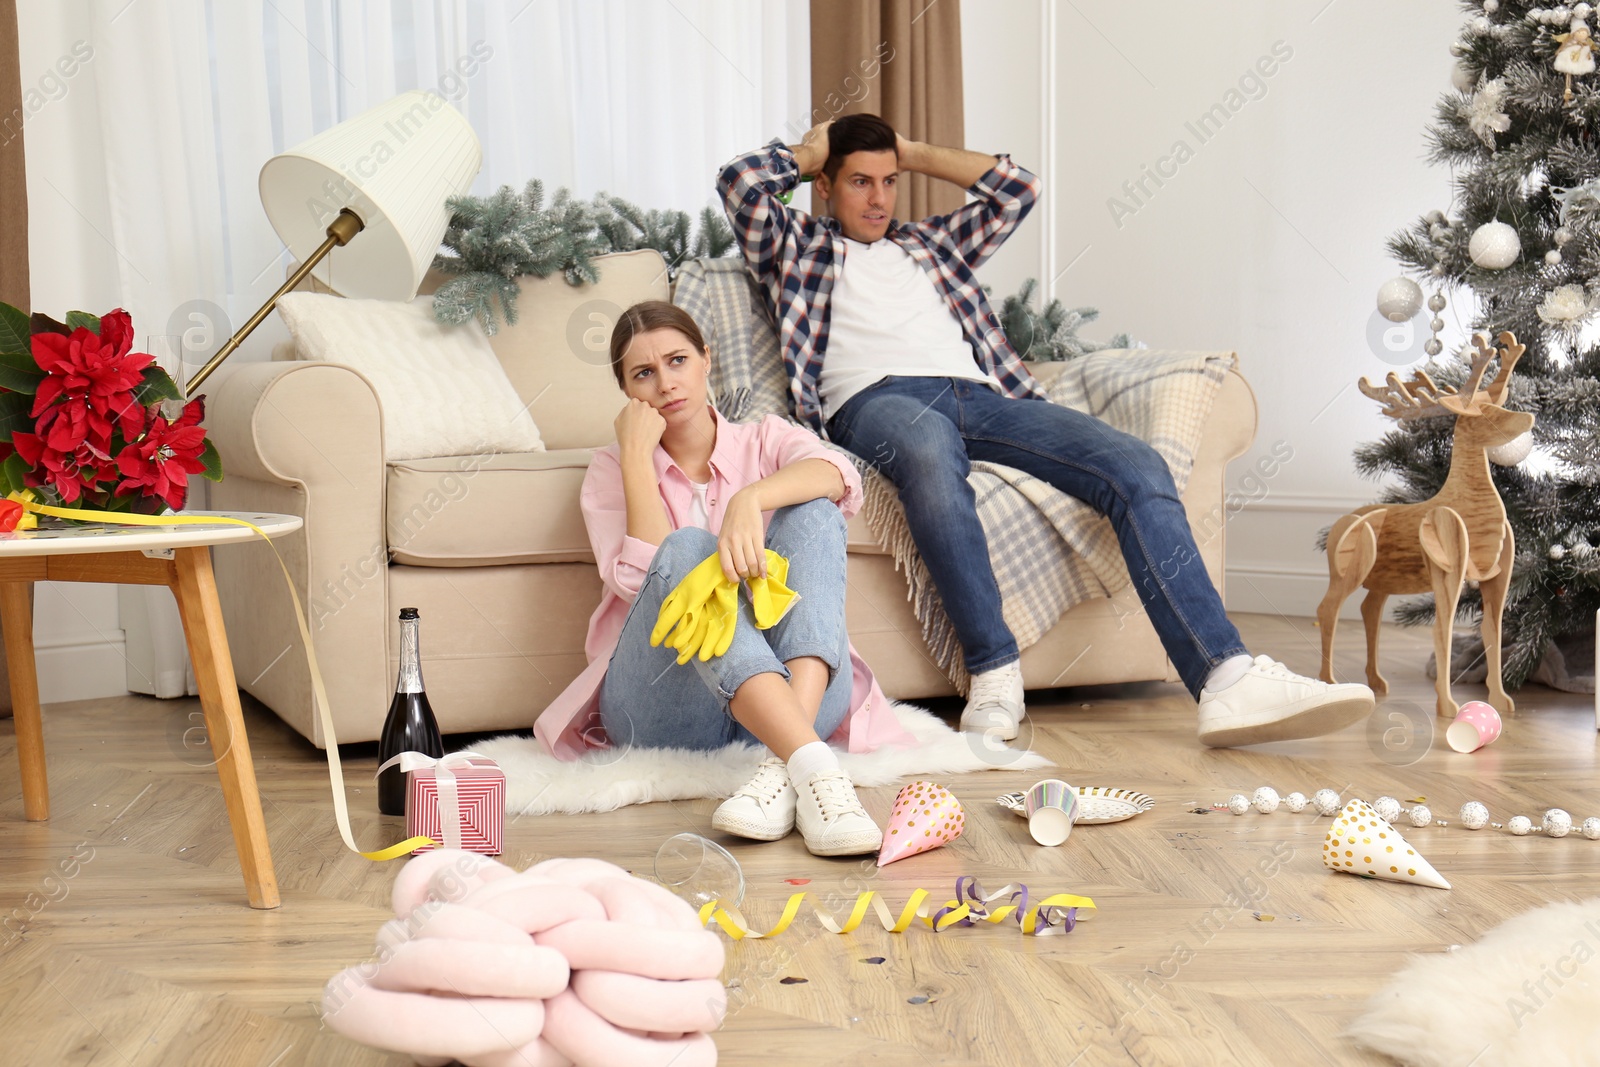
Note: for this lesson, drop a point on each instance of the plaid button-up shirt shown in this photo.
(795, 257)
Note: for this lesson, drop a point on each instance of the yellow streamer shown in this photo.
(319, 692)
(734, 924)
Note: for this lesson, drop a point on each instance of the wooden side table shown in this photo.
(179, 558)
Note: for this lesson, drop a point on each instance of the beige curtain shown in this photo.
(900, 59)
(13, 205)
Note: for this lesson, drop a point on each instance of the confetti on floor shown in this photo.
(792, 980)
(798, 881)
(872, 959)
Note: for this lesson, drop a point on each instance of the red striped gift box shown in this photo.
(480, 788)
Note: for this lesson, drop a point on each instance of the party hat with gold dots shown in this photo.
(1362, 842)
(925, 816)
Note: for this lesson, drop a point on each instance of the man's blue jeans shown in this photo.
(648, 700)
(923, 434)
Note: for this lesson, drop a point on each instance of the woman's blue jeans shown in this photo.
(648, 701)
(923, 434)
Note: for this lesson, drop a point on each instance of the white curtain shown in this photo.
(146, 162)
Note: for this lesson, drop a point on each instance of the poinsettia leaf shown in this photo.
(39, 322)
(14, 331)
(156, 387)
(12, 472)
(213, 461)
(19, 373)
(16, 413)
(84, 320)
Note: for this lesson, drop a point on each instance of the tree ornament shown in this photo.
(1433, 346)
(1399, 299)
(1238, 803)
(1591, 828)
(1557, 551)
(1485, 112)
(1436, 303)
(1474, 815)
(1434, 216)
(1582, 11)
(1266, 800)
(1520, 825)
(1562, 236)
(1512, 452)
(1552, 257)
(1576, 54)
(1387, 807)
(1494, 246)
(1295, 802)
(1463, 78)
(1326, 801)
(1420, 815)
(1557, 823)
(1491, 6)
(1567, 305)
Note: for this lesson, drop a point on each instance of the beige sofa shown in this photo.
(492, 549)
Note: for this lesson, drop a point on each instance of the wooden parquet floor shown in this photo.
(125, 938)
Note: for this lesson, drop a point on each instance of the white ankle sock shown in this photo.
(810, 759)
(1227, 672)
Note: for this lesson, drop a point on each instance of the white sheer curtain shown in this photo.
(146, 163)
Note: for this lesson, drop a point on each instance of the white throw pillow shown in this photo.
(442, 390)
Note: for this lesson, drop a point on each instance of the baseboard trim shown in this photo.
(80, 671)
(1288, 591)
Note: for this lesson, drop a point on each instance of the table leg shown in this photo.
(16, 618)
(195, 587)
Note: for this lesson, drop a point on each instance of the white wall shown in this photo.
(1268, 240)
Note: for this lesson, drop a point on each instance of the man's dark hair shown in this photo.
(856, 133)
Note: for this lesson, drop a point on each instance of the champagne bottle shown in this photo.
(410, 726)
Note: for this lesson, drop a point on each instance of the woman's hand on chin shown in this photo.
(639, 428)
(741, 544)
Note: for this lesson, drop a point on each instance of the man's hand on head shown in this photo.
(905, 151)
(812, 151)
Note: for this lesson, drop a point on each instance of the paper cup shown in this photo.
(1051, 807)
(1475, 725)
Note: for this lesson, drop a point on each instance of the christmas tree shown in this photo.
(1520, 246)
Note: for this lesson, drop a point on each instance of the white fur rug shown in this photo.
(1526, 993)
(539, 784)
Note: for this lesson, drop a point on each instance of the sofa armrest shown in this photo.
(305, 438)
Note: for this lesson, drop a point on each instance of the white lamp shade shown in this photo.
(394, 166)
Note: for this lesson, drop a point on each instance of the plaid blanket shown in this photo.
(1049, 551)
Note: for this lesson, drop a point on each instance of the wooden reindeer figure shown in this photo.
(1459, 534)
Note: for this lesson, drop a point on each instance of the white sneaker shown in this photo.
(1272, 703)
(763, 808)
(831, 818)
(994, 702)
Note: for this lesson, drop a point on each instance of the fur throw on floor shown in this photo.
(539, 784)
(1527, 993)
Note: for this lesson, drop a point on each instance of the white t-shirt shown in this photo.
(699, 513)
(888, 319)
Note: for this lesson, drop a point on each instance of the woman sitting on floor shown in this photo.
(678, 472)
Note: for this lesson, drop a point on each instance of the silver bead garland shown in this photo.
(1474, 815)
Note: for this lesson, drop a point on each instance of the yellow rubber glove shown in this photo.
(722, 619)
(770, 597)
(690, 634)
(687, 597)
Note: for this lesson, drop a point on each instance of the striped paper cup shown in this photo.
(1051, 807)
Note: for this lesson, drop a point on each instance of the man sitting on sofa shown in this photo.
(888, 342)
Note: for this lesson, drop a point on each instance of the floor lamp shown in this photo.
(376, 183)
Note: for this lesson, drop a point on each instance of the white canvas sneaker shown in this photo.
(763, 808)
(995, 702)
(831, 818)
(1272, 703)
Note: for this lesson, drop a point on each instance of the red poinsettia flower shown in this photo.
(159, 463)
(70, 472)
(97, 373)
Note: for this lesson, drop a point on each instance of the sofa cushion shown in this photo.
(557, 353)
(484, 510)
(442, 389)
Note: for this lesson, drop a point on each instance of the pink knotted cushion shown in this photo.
(651, 1005)
(644, 950)
(590, 1041)
(572, 963)
(478, 970)
(427, 1025)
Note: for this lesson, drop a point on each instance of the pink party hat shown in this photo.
(925, 816)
